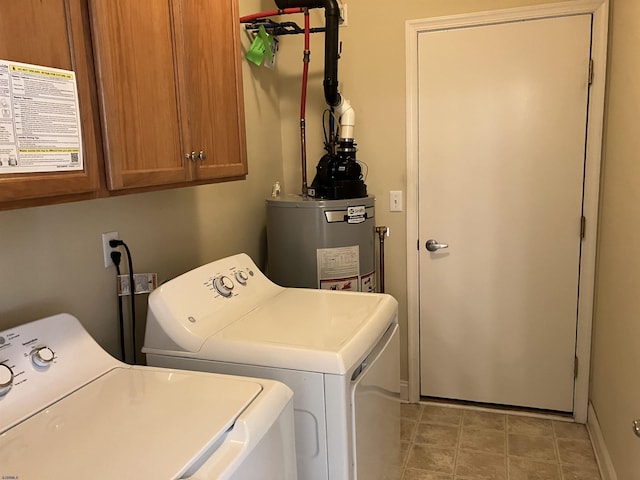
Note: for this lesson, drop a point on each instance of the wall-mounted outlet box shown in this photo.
(144, 283)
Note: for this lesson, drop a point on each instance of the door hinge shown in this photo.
(418, 244)
(590, 71)
(583, 226)
(575, 367)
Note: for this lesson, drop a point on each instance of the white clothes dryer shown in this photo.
(71, 411)
(338, 352)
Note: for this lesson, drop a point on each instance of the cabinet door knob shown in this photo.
(202, 156)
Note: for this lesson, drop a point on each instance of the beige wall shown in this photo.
(51, 257)
(615, 385)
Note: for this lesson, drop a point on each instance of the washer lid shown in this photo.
(130, 423)
(305, 329)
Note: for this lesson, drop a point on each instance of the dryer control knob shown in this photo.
(242, 277)
(42, 356)
(223, 285)
(6, 379)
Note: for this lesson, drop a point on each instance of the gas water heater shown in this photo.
(326, 244)
(324, 237)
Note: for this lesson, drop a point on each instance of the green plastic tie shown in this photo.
(261, 45)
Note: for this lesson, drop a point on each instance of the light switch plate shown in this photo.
(395, 201)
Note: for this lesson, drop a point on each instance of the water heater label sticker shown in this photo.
(346, 284)
(338, 265)
(368, 282)
(39, 119)
(356, 214)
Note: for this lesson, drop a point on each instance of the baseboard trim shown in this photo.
(404, 390)
(607, 472)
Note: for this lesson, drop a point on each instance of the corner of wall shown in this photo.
(599, 446)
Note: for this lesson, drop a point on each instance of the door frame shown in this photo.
(599, 9)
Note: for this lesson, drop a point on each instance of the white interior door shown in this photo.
(502, 122)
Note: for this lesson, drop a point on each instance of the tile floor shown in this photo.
(440, 442)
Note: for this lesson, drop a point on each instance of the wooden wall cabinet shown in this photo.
(159, 86)
(53, 33)
(170, 91)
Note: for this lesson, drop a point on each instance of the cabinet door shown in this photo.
(54, 33)
(212, 80)
(136, 69)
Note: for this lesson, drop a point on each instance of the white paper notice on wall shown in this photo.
(338, 268)
(39, 119)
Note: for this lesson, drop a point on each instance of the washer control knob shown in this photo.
(6, 379)
(242, 277)
(42, 356)
(223, 285)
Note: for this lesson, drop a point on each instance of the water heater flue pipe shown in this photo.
(332, 21)
(347, 115)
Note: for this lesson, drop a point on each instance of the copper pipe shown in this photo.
(382, 232)
(303, 103)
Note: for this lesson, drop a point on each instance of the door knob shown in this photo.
(433, 245)
(636, 427)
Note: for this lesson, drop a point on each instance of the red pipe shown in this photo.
(271, 13)
(303, 102)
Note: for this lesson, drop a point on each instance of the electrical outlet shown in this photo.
(106, 248)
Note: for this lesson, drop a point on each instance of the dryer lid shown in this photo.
(306, 329)
(261, 323)
(129, 423)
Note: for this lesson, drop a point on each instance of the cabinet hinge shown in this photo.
(590, 71)
(583, 226)
(575, 367)
(418, 244)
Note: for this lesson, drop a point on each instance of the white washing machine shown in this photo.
(71, 411)
(339, 353)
